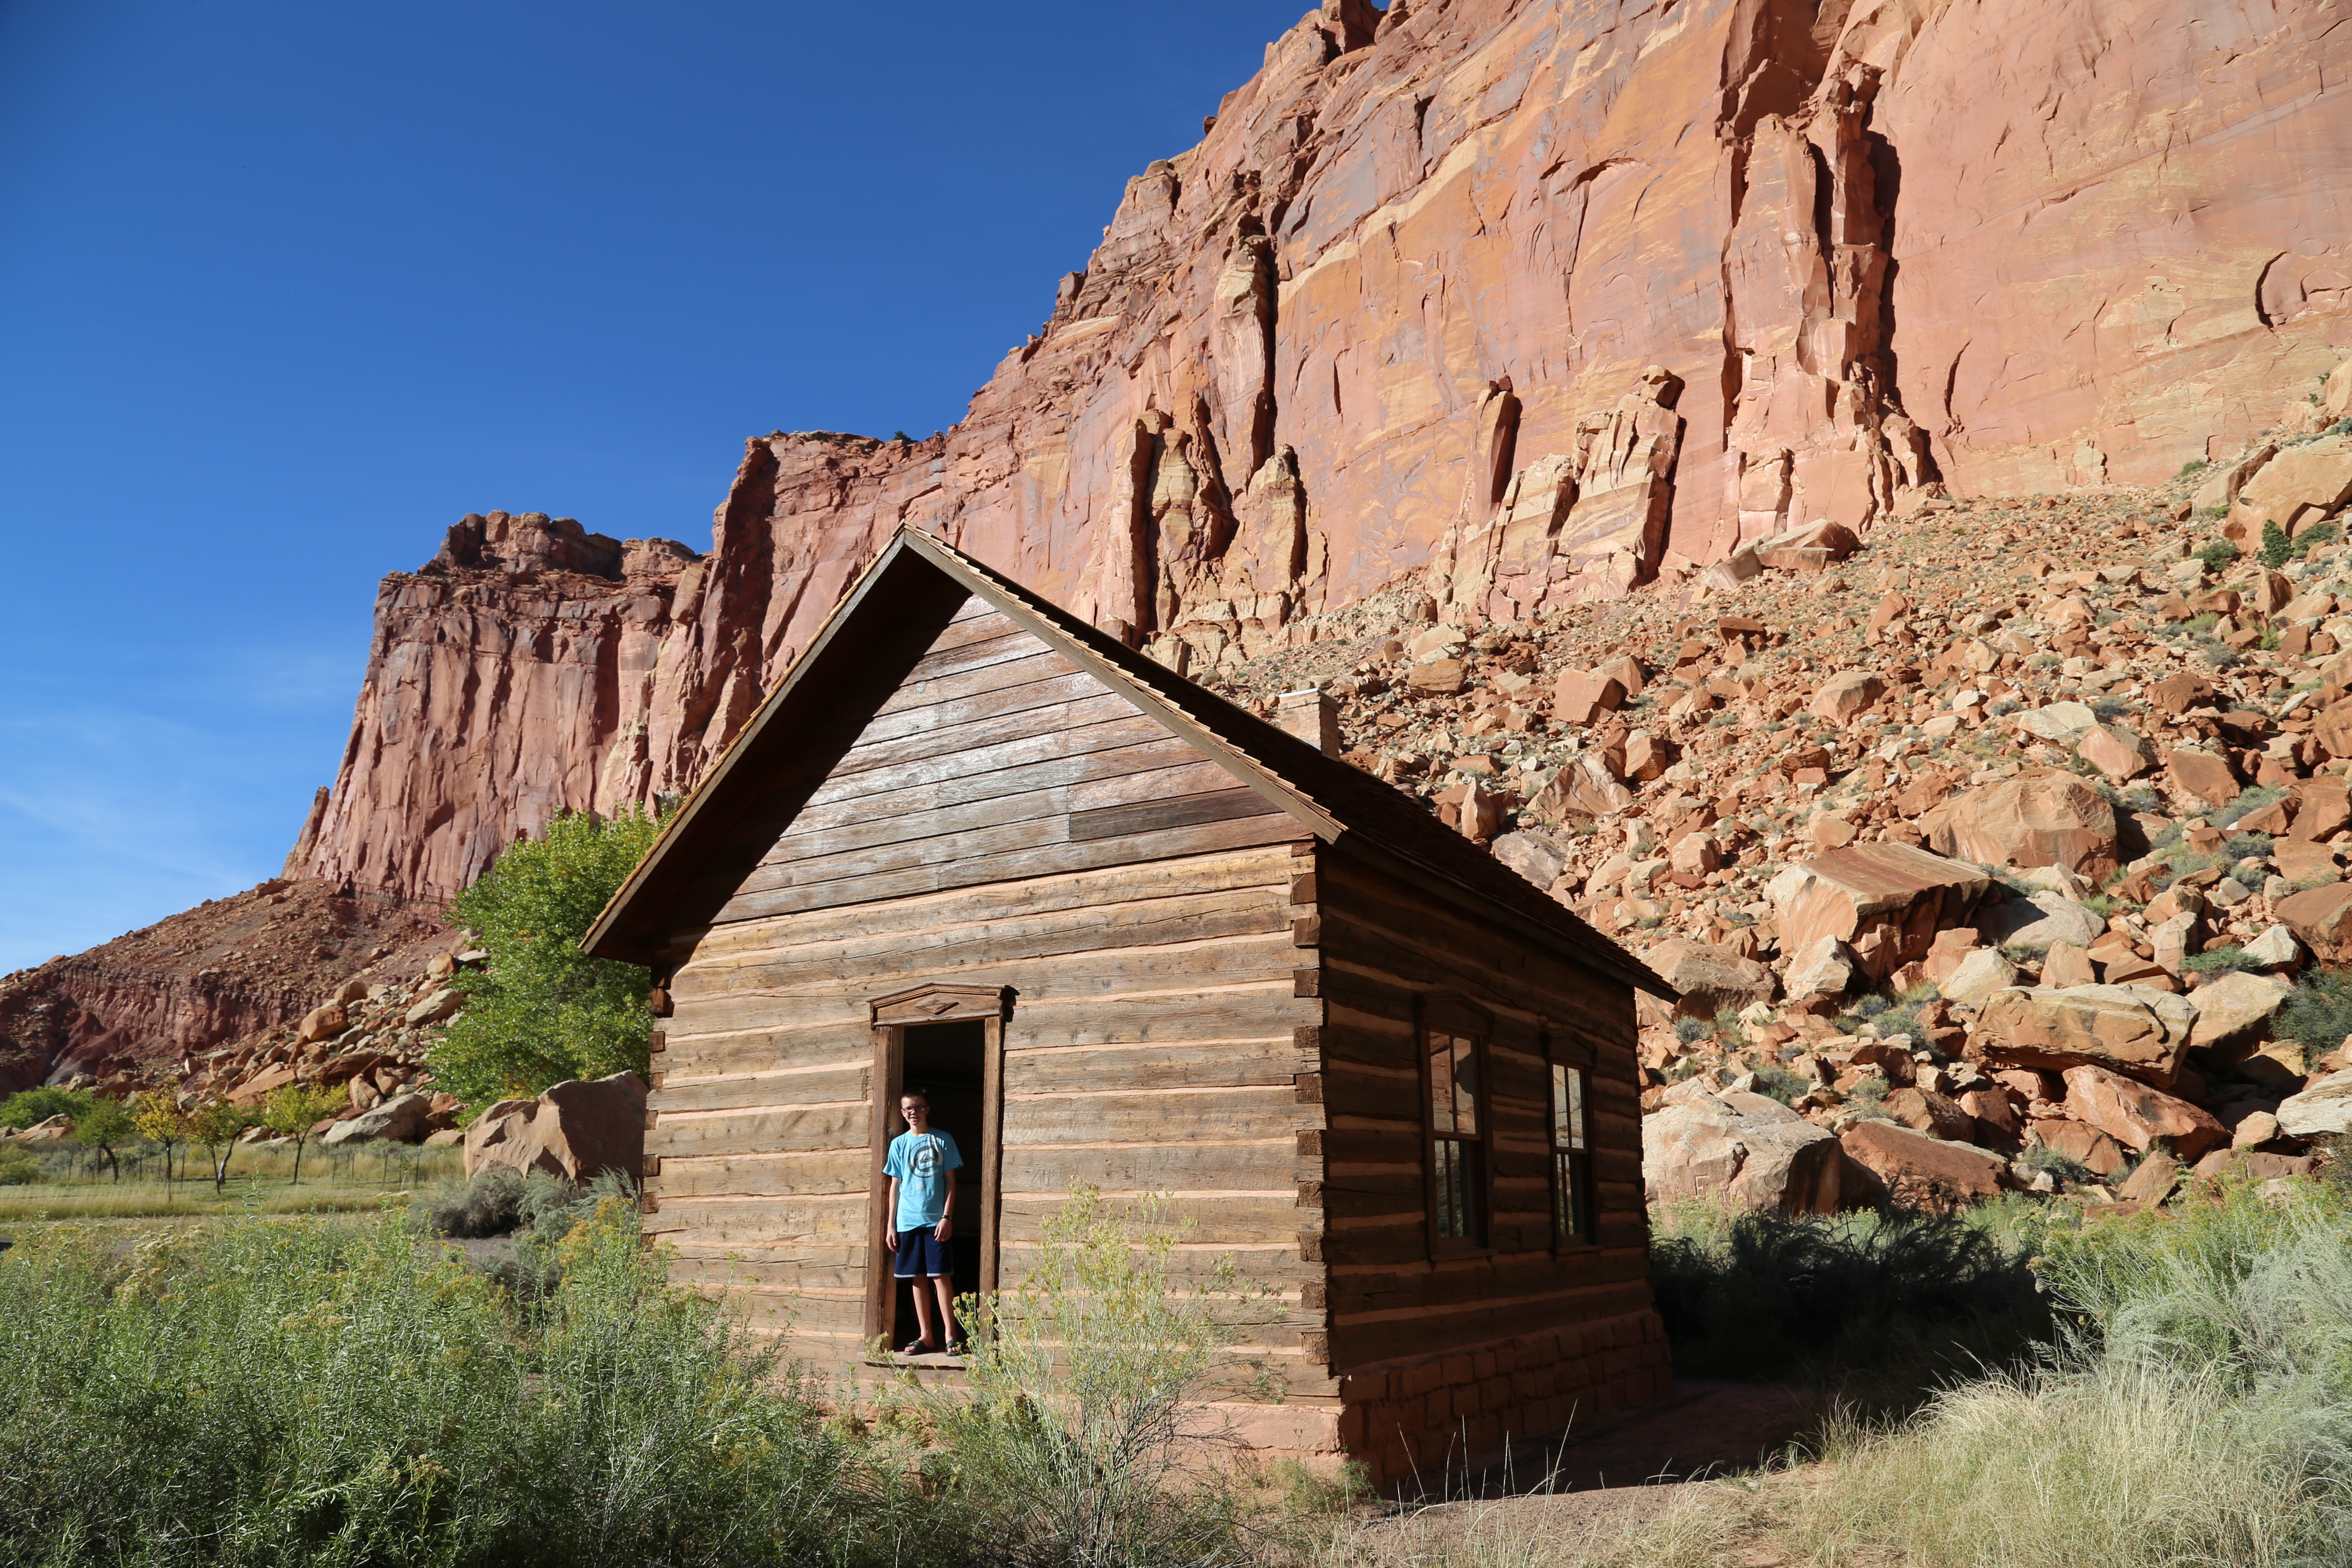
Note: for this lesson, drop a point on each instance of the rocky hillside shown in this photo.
(1993, 850)
(1552, 297)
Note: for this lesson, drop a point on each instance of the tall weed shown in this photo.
(335, 1392)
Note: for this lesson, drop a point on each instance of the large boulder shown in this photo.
(1711, 979)
(1581, 790)
(1886, 901)
(2044, 816)
(400, 1119)
(2326, 1106)
(2134, 1031)
(2041, 922)
(1846, 695)
(2295, 487)
(2322, 917)
(1923, 1172)
(1978, 977)
(1752, 1149)
(574, 1131)
(2235, 1012)
(326, 1018)
(1532, 855)
(2134, 1114)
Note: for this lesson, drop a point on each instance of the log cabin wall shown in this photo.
(1004, 820)
(1445, 1350)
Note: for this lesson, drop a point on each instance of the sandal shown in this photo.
(919, 1347)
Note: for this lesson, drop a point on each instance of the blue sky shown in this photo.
(285, 289)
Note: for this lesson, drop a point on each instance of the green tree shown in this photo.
(157, 1117)
(2277, 549)
(105, 1126)
(542, 1011)
(218, 1127)
(293, 1110)
(22, 1110)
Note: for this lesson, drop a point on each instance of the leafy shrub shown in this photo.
(333, 1393)
(19, 1167)
(2047, 1161)
(2276, 550)
(1089, 1379)
(490, 1205)
(2319, 1015)
(31, 1106)
(2194, 466)
(2218, 556)
(1886, 1302)
(2223, 961)
(2247, 803)
(1781, 1084)
(542, 1011)
(1690, 1031)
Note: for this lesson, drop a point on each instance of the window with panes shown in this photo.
(1457, 1138)
(1571, 1156)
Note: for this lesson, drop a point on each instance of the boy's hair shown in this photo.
(916, 1092)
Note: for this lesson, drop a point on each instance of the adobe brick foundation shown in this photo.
(1459, 1409)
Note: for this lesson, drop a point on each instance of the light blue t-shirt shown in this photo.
(921, 1163)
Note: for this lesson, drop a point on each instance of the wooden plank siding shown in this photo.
(1384, 946)
(1153, 1042)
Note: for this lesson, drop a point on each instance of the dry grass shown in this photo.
(1690, 1524)
(260, 1182)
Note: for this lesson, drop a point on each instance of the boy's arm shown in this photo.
(890, 1215)
(947, 1214)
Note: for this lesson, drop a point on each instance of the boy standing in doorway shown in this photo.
(922, 1166)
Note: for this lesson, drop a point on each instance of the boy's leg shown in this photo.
(945, 1285)
(923, 1313)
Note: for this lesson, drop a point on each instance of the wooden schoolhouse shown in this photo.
(1129, 934)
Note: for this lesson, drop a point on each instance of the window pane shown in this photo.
(1567, 1107)
(1441, 1083)
(1466, 1086)
(1452, 1219)
(1563, 1196)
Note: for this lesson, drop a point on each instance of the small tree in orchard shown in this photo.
(105, 1125)
(218, 1127)
(542, 1011)
(292, 1110)
(157, 1117)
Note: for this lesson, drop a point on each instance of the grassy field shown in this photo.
(76, 1187)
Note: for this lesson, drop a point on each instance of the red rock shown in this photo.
(2137, 1116)
(574, 1131)
(1438, 678)
(2320, 917)
(1924, 1110)
(2177, 694)
(2085, 1145)
(1886, 901)
(1580, 699)
(2202, 778)
(2040, 817)
(2135, 1031)
(1919, 1171)
(2322, 809)
(1843, 696)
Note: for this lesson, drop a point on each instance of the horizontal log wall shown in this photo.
(1003, 821)
(1570, 1324)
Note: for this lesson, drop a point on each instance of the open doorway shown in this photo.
(950, 1063)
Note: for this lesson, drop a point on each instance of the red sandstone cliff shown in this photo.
(1541, 299)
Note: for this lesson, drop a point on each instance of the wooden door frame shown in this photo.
(990, 1006)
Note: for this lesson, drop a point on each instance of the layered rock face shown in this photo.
(1525, 303)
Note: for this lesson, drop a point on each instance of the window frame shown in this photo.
(1568, 1167)
(1453, 1019)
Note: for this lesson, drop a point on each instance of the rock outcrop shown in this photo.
(1515, 306)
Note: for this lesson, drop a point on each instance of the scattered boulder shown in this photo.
(2135, 1115)
(2081, 1142)
(1580, 697)
(1978, 977)
(1531, 855)
(2301, 483)
(2274, 949)
(1884, 901)
(326, 1020)
(1937, 1115)
(2153, 1182)
(2202, 777)
(1827, 968)
(2044, 816)
(1845, 695)
(1923, 1172)
(2320, 917)
(2132, 1030)
(2326, 1106)
(2235, 1013)
(2041, 922)
(1438, 678)
(400, 1119)
(1753, 1150)
(442, 1004)
(574, 1131)
(1583, 789)
(1711, 979)
(2114, 751)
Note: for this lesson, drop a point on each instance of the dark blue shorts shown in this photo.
(922, 1253)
